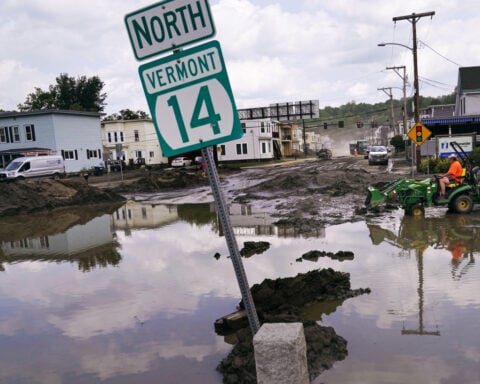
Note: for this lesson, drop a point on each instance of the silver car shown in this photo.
(181, 162)
(378, 154)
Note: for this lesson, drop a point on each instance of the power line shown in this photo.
(439, 54)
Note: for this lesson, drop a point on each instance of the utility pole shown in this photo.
(389, 94)
(404, 79)
(413, 18)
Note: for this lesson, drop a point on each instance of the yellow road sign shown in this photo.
(419, 133)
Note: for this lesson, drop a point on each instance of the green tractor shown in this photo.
(413, 196)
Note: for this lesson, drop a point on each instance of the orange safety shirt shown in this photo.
(455, 170)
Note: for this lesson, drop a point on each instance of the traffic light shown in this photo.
(324, 125)
(340, 124)
(419, 135)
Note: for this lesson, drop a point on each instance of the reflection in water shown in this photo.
(141, 215)
(459, 234)
(150, 318)
(246, 221)
(79, 236)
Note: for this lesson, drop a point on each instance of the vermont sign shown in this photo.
(190, 99)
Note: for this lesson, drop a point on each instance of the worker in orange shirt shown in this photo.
(453, 175)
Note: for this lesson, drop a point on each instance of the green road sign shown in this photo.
(190, 99)
(168, 25)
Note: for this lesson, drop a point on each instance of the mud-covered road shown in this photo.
(303, 192)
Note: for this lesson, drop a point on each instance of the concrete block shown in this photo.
(281, 354)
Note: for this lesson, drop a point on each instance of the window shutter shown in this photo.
(76, 155)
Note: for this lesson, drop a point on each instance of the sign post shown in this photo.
(231, 241)
(189, 97)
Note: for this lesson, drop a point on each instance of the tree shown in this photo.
(127, 114)
(81, 94)
(398, 143)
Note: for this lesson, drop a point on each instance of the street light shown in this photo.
(416, 96)
(415, 76)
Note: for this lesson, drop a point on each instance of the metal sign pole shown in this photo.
(230, 238)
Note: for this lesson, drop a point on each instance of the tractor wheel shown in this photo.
(415, 210)
(462, 204)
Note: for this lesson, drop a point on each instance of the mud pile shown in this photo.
(46, 194)
(283, 301)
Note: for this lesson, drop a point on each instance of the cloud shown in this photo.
(275, 51)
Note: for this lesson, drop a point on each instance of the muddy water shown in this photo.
(130, 295)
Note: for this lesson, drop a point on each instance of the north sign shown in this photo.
(168, 25)
(190, 99)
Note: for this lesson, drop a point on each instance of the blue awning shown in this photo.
(452, 120)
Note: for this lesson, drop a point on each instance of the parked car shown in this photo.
(36, 166)
(181, 162)
(378, 154)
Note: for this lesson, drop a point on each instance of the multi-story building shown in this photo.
(134, 141)
(257, 142)
(73, 134)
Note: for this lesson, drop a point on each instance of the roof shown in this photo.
(469, 79)
(21, 150)
(50, 112)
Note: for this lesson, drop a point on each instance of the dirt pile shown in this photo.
(285, 300)
(46, 194)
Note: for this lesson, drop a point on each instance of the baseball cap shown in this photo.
(452, 156)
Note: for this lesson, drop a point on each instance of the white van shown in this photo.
(38, 166)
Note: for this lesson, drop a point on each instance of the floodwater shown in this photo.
(131, 295)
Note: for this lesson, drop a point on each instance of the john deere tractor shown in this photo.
(414, 196)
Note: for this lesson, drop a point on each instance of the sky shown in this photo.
(275, 51)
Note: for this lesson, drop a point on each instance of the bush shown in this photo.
(398, 143)
(475, 155)
(433, 165)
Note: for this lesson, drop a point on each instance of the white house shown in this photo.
(468, 91)
(255, 144)
(134, 141)
(75, 135)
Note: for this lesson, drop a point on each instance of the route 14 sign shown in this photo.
(190, 99)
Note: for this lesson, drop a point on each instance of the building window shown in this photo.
(152, 154)
(136, 135)
(222, 150)
(93, 153)
(115, 136)
(242, 149)
(30, 132)
(121, 137)
(262, 127)
(138, 154)
(70, 155)
(264, 147)
(16, 134)
(109, 137)
(3, 136)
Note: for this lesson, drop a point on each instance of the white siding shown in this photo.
(59, 131)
